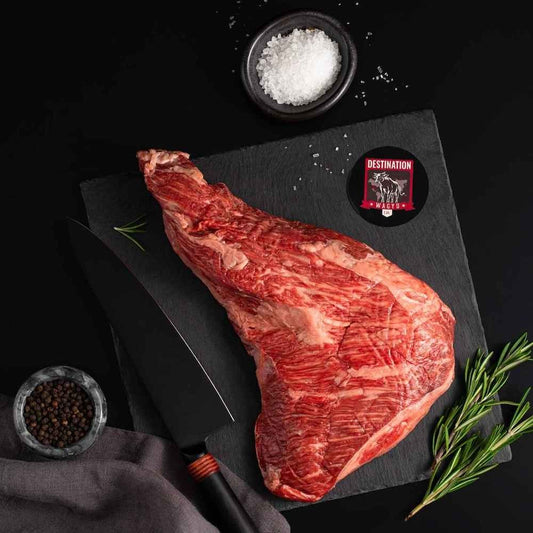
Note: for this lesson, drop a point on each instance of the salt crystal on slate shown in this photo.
(300, 67)
(316, 155)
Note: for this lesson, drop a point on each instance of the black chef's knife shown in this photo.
(189, 403)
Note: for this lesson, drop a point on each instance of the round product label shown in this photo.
(388, 186)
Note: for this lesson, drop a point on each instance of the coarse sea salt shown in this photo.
(300, 67)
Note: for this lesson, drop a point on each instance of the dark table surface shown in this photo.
(84, 90)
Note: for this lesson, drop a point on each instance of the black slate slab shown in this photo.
(281, 177)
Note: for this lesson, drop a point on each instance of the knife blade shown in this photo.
(181, 389)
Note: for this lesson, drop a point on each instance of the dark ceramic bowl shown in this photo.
(284, 25)
(80, 378)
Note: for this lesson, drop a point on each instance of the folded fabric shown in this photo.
(126, 482)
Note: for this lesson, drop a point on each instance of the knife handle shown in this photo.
(231, 515)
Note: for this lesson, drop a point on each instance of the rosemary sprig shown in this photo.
(483, 382)
(135, 226)
(461, 456)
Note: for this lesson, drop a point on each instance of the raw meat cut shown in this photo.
(351, 351)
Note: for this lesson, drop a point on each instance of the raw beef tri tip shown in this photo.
(351, 351)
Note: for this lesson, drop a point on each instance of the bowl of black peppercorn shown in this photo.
(59, 412)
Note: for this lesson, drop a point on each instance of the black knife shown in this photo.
(165, 362)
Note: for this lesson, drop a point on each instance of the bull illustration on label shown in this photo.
(388, 185)
(389, 190)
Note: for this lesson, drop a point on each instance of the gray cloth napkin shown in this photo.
(126, 482)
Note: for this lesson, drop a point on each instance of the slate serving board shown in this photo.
(282, 178)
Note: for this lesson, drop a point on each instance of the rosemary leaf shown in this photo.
(135, 226)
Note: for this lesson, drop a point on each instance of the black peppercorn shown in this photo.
(58, 413)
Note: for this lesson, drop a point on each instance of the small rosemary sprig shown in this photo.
(135, 226)
(461, 456)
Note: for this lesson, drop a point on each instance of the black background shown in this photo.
(84, 89)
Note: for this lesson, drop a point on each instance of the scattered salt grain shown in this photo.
(345, 136)
(300, 67)
(294, 187)
(316, 155)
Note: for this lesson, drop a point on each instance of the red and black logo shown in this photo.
(388, 186)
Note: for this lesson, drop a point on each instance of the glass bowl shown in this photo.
(84, 381)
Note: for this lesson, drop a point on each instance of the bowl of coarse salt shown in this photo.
(299, 66)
